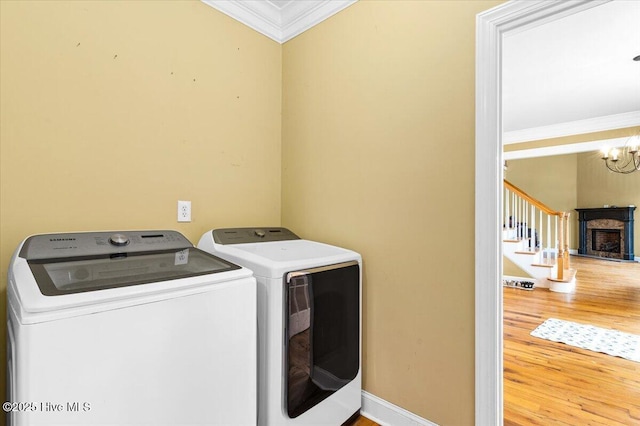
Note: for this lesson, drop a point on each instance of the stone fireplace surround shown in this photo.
(610, 221)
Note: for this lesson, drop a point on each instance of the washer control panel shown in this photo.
(252, 235)
(51, 246)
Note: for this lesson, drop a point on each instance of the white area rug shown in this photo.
(611, 342)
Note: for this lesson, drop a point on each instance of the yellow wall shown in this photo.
(113, 111)
(378, 156)
(511, 269)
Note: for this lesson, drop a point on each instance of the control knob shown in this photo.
(119, 240)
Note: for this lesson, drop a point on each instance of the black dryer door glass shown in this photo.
(322, 333)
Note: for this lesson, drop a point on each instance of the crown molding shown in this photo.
(597, 124)
(279, 24)
(573, 148)
(299, 16)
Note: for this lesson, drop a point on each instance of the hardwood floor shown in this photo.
(548, 383)
(363, 421)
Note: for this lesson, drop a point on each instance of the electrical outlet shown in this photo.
(184, 211)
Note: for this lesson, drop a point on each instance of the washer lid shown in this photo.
(57, 277)
(77, 263)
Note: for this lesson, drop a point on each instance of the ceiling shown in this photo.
(570, 76)
(573, 75)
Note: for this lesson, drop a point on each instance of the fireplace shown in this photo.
(607, 232)
(607, 240)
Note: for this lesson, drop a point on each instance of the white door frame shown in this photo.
(491, 26)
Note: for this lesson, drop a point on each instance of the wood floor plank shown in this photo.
(550, 383)
(363, 421)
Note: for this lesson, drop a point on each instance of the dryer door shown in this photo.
(322, 333)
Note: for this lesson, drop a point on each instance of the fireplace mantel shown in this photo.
(607, 218)
(617, 213)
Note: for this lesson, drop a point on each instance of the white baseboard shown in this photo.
(388, 414)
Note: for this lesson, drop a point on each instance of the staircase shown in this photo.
(536, 239)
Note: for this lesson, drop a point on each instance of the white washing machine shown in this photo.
(309, 324)
(129, 328)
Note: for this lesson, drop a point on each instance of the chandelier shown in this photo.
(623, 160)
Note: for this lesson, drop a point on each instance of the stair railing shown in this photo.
(526, 216)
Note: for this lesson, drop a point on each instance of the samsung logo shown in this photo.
(62, 239)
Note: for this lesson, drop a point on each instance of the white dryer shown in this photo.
(134, 327)
(309, 324)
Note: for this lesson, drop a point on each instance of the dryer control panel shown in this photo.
(252, 235)
(68, 245)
